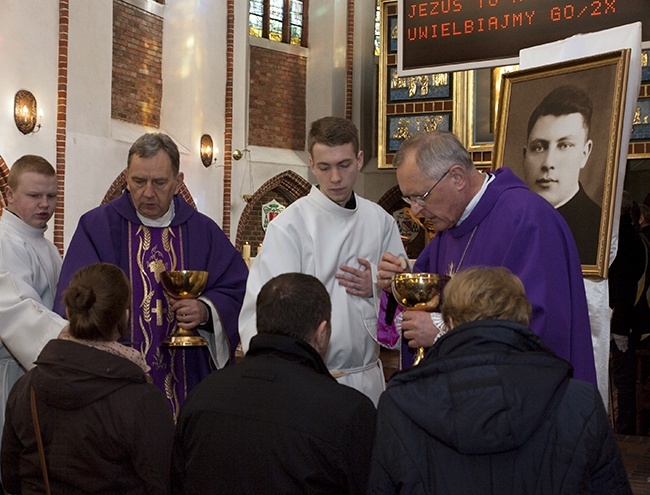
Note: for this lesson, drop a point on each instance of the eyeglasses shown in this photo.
(422, 200)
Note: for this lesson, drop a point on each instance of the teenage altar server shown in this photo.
(338, 237)
(29, 269)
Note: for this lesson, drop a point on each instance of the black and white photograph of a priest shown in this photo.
(557, 149)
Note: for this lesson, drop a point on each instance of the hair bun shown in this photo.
(82, 298)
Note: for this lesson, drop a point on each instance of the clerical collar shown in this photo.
(472, 204)
(562, 203)
(351, 204)
(163, 221)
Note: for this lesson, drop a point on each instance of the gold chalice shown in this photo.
(420, 292)
(184, 284)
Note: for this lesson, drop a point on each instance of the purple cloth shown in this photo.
(174, 371)
(520, 230)
(387, 333)
(103, 235)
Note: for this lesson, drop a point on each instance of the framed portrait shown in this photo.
(559, 129)
(406, 105)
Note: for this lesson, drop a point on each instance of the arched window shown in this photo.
(284, 21)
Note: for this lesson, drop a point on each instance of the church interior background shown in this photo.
(247, 77)
(251, 76)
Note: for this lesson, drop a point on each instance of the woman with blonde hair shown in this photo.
(491, 409)
(87, 418)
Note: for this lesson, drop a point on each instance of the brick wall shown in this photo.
(137, 65)
(277, 99)
(228, 121)
(349, 61)
(61, 121)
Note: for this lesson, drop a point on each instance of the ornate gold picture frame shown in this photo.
(572, 163)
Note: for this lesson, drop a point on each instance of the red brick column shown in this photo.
(61, 119)
(349, 69)
(227, 145)
(4, 173)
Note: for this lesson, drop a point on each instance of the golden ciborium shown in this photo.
(184, 284)
(420, 292)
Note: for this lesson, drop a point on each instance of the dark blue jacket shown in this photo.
(492, 410)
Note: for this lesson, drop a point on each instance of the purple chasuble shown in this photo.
(174, 370)
(513, 227)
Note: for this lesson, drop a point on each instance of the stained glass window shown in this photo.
(295, 20)
(256, 18)
(278, 20)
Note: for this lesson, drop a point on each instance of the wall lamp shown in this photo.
(26, 115)
(238, 154)
(207, 150)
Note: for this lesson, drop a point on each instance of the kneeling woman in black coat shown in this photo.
(104, 427)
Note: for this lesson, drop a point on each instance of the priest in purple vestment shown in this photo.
(490, 220)
(150, 228)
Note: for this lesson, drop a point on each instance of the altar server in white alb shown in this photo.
(29, 270)
(338, 237)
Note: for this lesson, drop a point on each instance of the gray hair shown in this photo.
(435, 153)
(150, 144)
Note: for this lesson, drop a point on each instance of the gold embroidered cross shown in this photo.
(159, 311)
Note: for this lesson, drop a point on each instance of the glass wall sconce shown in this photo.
(207, 150)
(26, 113)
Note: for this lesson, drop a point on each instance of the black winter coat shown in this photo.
(105, 429)
(277, 423)
(492, 410)
(631, 316)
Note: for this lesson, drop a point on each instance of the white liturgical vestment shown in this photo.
(314, 235)
(29, 271)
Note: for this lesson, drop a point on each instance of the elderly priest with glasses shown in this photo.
(491, 220)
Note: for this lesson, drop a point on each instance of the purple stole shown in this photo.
(174, 370)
